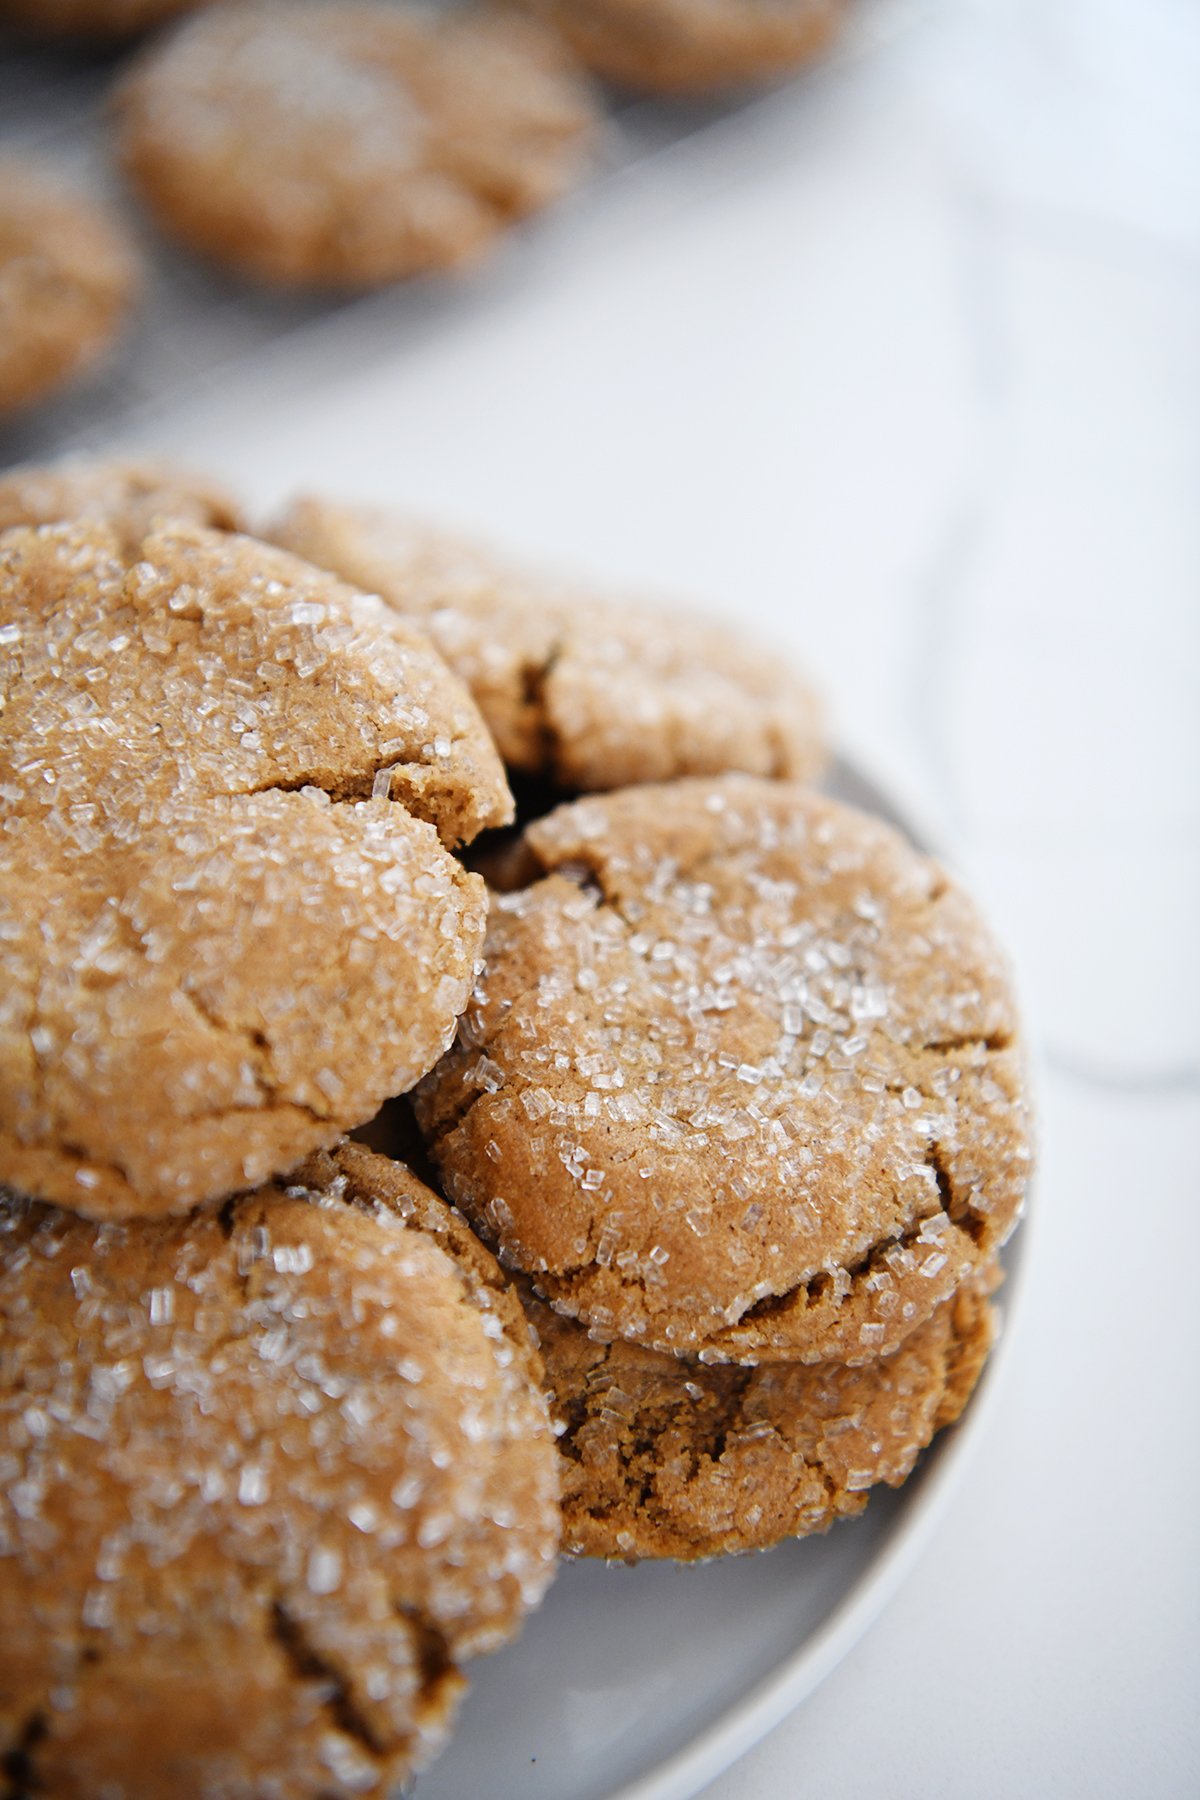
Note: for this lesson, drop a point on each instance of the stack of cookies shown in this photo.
(738, 1098)
(274, 1455)
(718, 1080)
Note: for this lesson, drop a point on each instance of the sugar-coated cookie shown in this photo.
(265, 1478)
(740, 1080)
(692, 46)
(68, 277)
(347, 145)
(662, 1458)
(584, 691)
(232, 927)
(132, 497)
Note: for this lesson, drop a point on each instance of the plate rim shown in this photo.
(682, 1774)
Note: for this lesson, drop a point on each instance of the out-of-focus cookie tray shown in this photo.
(194, 327)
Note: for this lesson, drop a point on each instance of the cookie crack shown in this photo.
(70, 1147)
(534, 677)
(817, 1466)
(816, 1286)
(354, 784)
(589, 878)
(738, 1378)
(455, 1115)
(410, 774)
(993, 1042)
(18, 1763)
(961, 1214)
(259, 1049)
(309, 1664)
(434, 1661)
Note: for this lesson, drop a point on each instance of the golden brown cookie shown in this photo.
(740, 1080)
(130, 496)
(692, 46)
(231, 925)
(265, 1479)
(106, 19)
(351, 144)
(588, 692)
(662, 1458)
(68, 277)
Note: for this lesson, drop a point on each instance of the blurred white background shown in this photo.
(901, 365)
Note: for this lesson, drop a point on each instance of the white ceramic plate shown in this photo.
(644, 1683)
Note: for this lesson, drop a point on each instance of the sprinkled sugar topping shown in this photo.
(740, 1078)
(221, 950)
(264, 1479)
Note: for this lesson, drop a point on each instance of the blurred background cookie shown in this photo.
(114, 19)
(68, 279)
(264, 1480)
(740, 1080)
(692, 46)
(349, 145)
(232, 923)
(579, 690)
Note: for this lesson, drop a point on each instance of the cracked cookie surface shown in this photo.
(588, 692)
(131, 497)
(662, 1458)
(692, 46)
(740, 1079)
(231, 923)
(265, 1479)
(68, 276)
(348, 145)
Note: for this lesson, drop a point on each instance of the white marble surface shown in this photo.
(903, 366)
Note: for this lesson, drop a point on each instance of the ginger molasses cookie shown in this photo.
(68, 277)
(692, 46)
(265, 1478)
(662, 1458)
(130, 496)
(105, 19)
(740, 1080)
(586, 692)
(231, 921)
(347, 145)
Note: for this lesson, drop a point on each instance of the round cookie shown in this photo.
(587, 692)
(67, 282)
(130, 496)
(106, 19)
(264, 1480)
(662, 1458)
(353, 144)
(692, 46)
(740, 1080)
(232, 925)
